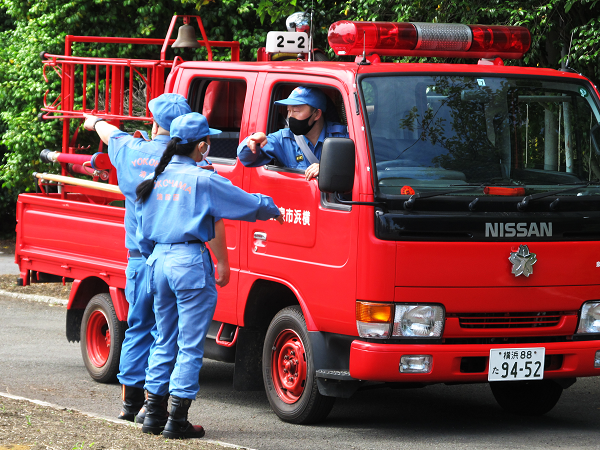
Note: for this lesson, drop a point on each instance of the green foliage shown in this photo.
(274, 10)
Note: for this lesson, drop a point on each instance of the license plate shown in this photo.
(510, 364)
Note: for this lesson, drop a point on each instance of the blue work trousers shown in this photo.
(182, 277)
(140, 336)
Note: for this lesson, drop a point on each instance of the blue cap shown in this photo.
(191, 127)
(167, 107)
(306, 96)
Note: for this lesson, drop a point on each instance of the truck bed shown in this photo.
(71, 238)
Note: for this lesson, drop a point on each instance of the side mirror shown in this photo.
(336, 170)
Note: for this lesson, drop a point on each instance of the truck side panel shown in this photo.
(70, 238)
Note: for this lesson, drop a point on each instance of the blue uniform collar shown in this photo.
(183, 160)
(322, 135)
(320, 140)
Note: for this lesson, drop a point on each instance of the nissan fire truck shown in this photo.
(452, 238)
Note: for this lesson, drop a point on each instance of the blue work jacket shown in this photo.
(187, 200)
(283, 146)
(134, 158)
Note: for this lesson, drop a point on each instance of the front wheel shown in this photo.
(102, 335)
(289, 373)
(527, 398)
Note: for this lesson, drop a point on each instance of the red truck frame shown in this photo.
(405, 278)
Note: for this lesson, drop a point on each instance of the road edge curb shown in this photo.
(35, 298)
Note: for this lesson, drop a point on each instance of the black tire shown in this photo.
(102, 335)
(527, 398)
(293, 396)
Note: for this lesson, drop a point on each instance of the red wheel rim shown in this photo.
(288, 366)
(98, 338)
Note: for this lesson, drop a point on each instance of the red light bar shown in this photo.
(501, 39)
(428, 39)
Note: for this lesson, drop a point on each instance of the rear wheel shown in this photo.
(102, 335)
(289, 373)
(527, 398)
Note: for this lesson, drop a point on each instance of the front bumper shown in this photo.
(380, 362)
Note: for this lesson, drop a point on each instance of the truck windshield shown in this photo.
(439, 132)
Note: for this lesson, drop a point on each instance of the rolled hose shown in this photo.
(98, 161)
(78, 182)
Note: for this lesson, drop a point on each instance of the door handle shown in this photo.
(260, 240)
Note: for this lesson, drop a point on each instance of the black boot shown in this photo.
(156, 413)
(177, 426)
(133, 400)
(142, 414)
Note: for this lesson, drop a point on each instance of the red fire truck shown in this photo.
(452, 238)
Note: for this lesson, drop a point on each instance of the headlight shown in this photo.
(589, 322)
(419, 321)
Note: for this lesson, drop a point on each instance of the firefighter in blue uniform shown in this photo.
(308, 128)
(135, 157)
(176, 210)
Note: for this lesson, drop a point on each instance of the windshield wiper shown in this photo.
(523, 204)
(408, 204)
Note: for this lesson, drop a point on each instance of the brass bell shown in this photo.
(186, 38)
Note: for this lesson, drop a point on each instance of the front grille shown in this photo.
(536, 340)
(510, 320)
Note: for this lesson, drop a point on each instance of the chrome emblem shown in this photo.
(522, 261)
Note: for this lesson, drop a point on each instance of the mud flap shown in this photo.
(247, 375)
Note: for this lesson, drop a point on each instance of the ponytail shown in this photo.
(144, 189)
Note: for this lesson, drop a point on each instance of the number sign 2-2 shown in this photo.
(287, 42)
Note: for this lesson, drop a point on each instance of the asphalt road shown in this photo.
(37, 362)
(7, 264)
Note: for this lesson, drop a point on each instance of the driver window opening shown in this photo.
(335, 112)
(222, 103)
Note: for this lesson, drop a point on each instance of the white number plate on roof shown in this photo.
(287, 42)
(510, 364)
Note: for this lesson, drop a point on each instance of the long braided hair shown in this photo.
(144, 189)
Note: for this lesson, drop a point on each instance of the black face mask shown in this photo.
(300, 127)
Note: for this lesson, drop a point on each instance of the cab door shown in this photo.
(223, 97)
(312, 252)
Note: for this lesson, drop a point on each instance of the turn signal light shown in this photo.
(374, 320)
(369, 312)
(428, 39)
